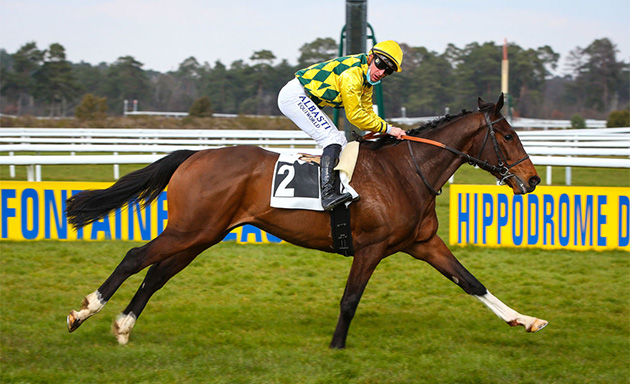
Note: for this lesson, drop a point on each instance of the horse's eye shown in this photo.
(508, 137)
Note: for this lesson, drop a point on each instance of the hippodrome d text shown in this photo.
(564, 219)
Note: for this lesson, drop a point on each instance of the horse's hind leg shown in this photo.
(136, 259)
(436, 253)
(155, 279)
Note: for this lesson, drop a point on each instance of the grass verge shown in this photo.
(265, 314)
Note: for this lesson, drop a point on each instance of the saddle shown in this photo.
(295, 185)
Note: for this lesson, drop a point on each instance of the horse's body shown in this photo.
(213, 191)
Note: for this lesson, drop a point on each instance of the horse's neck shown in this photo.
(441, 163)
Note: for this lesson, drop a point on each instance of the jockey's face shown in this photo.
(376, 74)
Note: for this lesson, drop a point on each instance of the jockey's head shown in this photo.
(387, 55)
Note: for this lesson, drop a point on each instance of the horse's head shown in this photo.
(501, 148)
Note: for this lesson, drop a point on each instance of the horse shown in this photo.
(213, 191)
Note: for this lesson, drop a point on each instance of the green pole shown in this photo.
(341, 40)
(378, 89)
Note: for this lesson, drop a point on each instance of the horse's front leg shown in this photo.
(436, 253)
(363, 265)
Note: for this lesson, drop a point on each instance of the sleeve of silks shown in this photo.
(358, 104)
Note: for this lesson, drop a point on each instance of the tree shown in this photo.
(604, 73)
(577, 121)
(126, 80)
(429, 84)
(164, 88)
(477, 72)
(263, 58)
(6, 64)
(618, 119)
(18, 82)
(243, 85)
(202, 107)
(188, 78)
(6, 61)
(321, 49)
(574, 93)
(90, 78)
(261, 78)
(529, 70)
(55, 82)
(92, 108)
(218, 87)
(597, 75)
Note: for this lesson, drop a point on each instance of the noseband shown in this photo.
(502, 167)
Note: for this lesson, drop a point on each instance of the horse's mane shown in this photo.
(433, 124)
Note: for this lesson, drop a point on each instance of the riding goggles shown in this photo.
(383, 63)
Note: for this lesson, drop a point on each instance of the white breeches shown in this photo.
(296, 105)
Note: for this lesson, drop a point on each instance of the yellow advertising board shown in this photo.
(36, 211)
(553, 217)
(579, 218)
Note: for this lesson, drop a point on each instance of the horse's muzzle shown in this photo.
(533, 182)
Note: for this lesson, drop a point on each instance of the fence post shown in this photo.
(116, 169)
(30, 172)
(11, 168)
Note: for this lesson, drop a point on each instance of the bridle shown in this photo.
(502, 167)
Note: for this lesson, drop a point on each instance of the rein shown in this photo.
(502, 168)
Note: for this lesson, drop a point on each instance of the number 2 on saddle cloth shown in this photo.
(296, 186)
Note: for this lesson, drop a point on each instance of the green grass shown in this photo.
(266, 313)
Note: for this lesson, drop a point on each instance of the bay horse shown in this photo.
(211, 192)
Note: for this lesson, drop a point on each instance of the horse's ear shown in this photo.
(480, 102)
(499, 105)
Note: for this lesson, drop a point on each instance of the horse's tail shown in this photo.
(143, 185)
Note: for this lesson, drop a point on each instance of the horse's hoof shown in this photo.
(73, 321)
(121, 328)
(537, 325)
(122, 339)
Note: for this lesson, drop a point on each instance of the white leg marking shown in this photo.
(504, 312)
(91, 305)
(509, 315)
(122, 327)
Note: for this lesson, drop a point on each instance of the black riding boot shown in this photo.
(328, 177)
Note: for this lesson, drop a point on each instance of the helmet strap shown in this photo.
(367, 76)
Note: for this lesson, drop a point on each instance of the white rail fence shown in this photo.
(140, 146)
(517, 122)
(604, 147)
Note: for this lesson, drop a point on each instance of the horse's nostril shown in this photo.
(534, 181)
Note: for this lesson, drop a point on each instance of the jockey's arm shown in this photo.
(357, 103)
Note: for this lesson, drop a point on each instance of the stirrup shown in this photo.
(330, 204)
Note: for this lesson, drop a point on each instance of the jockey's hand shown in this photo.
(397, 132)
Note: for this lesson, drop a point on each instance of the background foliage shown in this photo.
(42, 82)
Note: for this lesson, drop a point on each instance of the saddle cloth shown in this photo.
(295, 182)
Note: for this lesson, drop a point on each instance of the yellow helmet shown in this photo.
(390, 50)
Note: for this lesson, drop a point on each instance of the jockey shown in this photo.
(345, 82)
